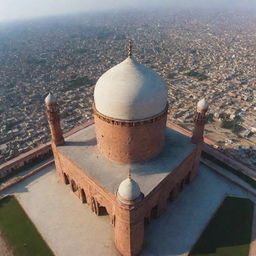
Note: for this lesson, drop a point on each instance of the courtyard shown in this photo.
(70, 228)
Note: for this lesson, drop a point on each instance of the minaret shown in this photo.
(53, 115)
(199, 121)
(129, 222)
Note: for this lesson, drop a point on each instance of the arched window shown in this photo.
(188, 178)
(66, 179)
(172, 195)
(182, 184)
(154, 212)
(83, 196)
(73, 186)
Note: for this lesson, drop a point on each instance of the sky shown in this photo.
(20, 9)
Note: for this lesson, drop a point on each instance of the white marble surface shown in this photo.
(129, 189)
(130, 91)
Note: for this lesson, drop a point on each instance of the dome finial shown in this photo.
(130, 174)
(130, 49)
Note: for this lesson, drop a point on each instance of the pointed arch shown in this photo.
(66, 178)
(73, 185)
(83, 196)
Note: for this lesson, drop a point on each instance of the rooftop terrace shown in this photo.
(81, 148)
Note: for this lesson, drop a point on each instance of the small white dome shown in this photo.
(130, 91)
(50, 99)
(202, 104)
(129, 189)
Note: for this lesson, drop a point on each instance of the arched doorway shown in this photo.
(103, 211)
(97, 208)
(66, 178)
(73, 186)
(172, 195)
(182, 184)
(94, 206)
(83, 197)
(187, 181)
(154, 212)
(146, 220)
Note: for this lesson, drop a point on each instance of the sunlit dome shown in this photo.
(129, 189)
(202, 104)
(130, 91)
(50, 99)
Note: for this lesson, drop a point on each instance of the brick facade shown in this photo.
(125, 142)
(200, 119)
(130, 141)
(128, 220)
(53, 117)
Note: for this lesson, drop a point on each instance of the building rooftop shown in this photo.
(81, 147)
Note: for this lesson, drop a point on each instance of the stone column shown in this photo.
(53, 115)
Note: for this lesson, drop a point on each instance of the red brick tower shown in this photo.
(200, 120)
(129, 223)
(53, 115)
(130, 109)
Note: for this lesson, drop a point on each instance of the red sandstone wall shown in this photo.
(130, 143)
(90, 186)
(128, 220)
(19, 161)
(172, 183)
(129, 229)
(23, 159)
(229, 161)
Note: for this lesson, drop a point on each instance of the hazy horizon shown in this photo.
(11, 10)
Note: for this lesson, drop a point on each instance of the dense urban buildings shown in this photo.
(198, 53)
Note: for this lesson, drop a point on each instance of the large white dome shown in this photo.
(130, 91)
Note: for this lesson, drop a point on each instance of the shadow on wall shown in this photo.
(91, 142)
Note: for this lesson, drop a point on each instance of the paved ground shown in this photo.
(70, 228)
(176, 231)
(24, 173)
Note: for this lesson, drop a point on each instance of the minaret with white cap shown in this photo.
(129, 222)
(53, 115)
(200, 120)
(129, 191)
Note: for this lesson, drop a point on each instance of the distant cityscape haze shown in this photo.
(25, 9)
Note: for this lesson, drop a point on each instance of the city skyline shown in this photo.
(15, 10)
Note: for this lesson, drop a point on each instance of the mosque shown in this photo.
(127, 162)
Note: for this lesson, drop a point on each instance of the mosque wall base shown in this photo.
(128, 220)
(130, 141)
